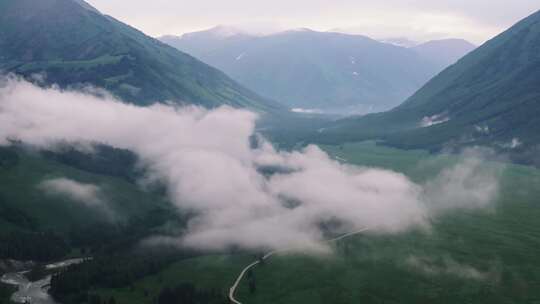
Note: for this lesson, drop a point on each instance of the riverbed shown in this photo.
(35, 292)
(29, 292)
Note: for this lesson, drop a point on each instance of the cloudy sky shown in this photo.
(475, 20)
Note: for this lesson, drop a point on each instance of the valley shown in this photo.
(373, 156)
(325, 72)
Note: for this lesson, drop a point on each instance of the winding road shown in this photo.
(233, 288)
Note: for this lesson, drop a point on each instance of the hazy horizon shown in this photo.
(419, 20)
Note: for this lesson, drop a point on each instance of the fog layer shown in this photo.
(252, 197)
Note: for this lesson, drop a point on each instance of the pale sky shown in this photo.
(474, 20)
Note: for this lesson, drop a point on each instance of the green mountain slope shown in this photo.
(490, 97)
(72, 44)
(314, 70)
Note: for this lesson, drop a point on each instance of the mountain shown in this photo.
(444, 52)
(489, 97)
(308, 69)
(73, 44)
(401, 41)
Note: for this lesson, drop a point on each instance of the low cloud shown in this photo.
(472, 183)
(241, 196)
(307, 111)
(513, 144)
(89, 195)
(445, 266)
(433, 120)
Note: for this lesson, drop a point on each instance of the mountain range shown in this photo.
(490, 97)
(72, 44)
(322, 70)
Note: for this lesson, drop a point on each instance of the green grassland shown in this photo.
(489, 256)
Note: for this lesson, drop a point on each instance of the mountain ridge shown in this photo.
(73, 44)
(310, 69)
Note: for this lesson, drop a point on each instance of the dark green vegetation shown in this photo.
(5, 293)
(289, 130)
(105, 161)
(44, 228)
(210, 273)
(490, 97)
(37, 226)
(80, 283)
(187, 293)
(25, 206)
(73, 45)
(307, 69)
(32, 246)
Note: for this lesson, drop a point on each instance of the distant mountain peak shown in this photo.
(226, 31)
(401, 41)
(217, 32)
(299, 30)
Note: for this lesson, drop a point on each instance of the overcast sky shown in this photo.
(475, 20)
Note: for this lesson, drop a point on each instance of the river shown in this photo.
(34, 292)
